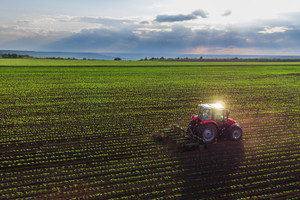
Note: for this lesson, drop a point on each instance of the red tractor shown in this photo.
(212, 121)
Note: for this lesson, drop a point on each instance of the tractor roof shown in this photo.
(211, 106)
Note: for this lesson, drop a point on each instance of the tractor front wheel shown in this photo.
(209, 133)
(235, 132)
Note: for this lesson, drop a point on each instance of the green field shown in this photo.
(110, 63)
(82, 129)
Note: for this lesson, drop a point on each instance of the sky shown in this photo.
(200, 27)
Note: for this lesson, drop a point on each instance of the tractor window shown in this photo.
(218, 116)
(207, 114)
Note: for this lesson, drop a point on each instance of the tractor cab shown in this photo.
(213, 112)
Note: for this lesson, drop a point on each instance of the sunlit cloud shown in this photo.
(203, 50)
(232, 50)
(277, 29)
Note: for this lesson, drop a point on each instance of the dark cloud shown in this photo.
(287, 39)
(174, 18)
(294, 35)
(181, 17)
(112, 40)
(177, 40)
(220, 38)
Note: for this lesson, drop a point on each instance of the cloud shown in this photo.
(23, 22)
(200, 13)
(142, 35)
(26, 43)
(174, 18)
(89, 39)
(144, 22)
(181, 17)
(24, 40)
(276, 29)
(177, 39)
(10, 33)
(102, 20)
(227, 13)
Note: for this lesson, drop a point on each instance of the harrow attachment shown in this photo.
(181, 139)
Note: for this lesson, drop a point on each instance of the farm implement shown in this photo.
(211, 122)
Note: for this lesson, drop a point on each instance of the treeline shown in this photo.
(201, 59)
(14, 55)
(58, 58)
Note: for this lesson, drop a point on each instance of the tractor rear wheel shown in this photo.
(235, 132)
(209, 133)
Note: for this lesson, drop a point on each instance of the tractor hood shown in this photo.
(231, 122)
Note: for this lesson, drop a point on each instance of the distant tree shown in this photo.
(83, 58)
(117, 58)
(161, 58)
(14, 55)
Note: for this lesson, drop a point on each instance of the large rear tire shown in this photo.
(235, 133)
(209, 133)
